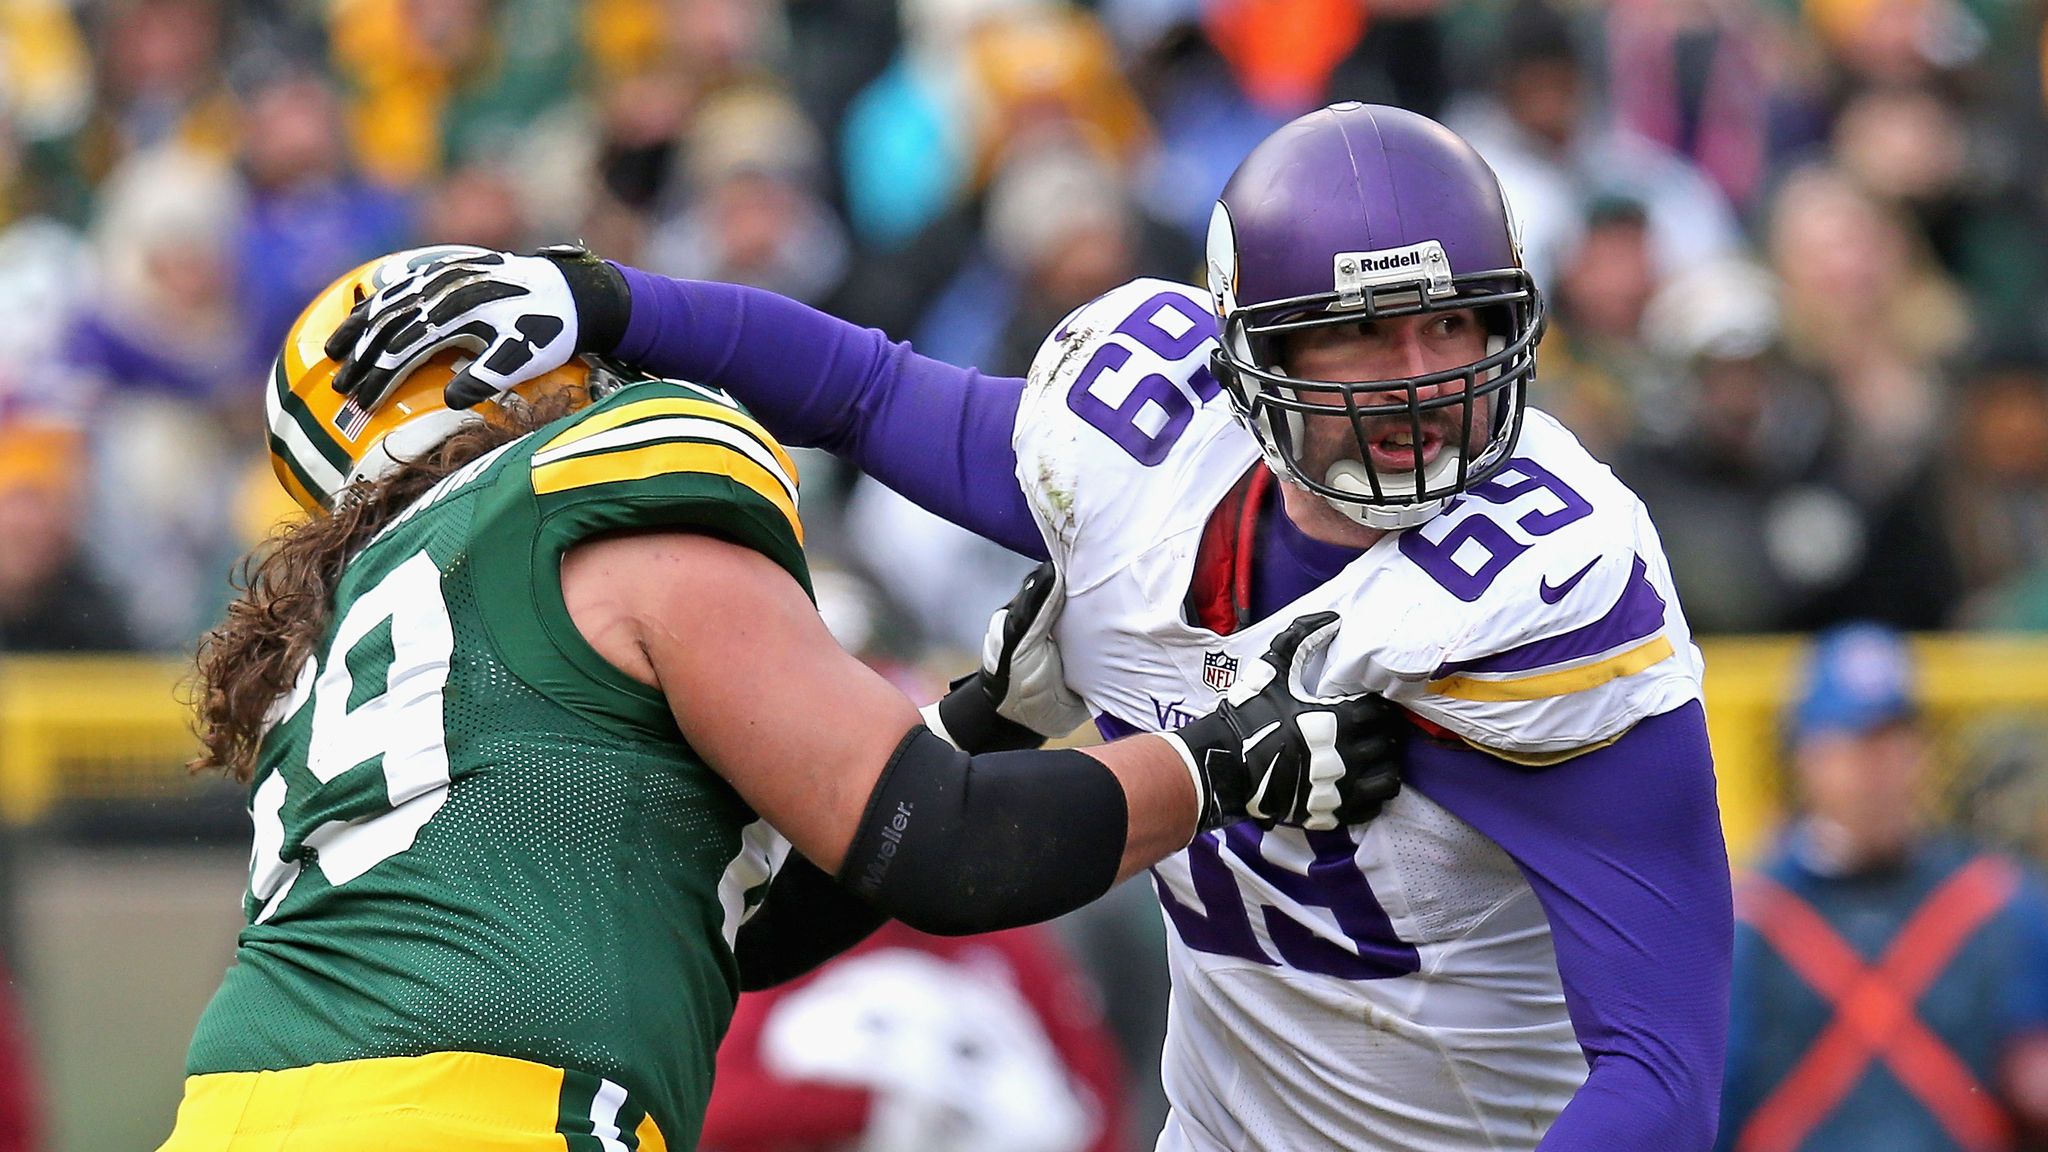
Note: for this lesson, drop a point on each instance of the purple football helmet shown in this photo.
(1359, 212)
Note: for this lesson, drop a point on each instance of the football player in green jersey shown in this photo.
(528, 706)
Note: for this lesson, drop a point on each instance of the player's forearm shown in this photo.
(937, 433)
(1160, 795)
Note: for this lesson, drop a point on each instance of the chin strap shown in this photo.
(1390, 517)
(1348, 475)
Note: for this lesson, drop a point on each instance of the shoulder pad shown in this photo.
(1538, 618)
(1117, 393)
(665, 429)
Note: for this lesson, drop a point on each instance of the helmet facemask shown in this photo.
(1364, 214)
(1478, 403)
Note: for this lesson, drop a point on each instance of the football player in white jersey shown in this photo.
(1529, 947)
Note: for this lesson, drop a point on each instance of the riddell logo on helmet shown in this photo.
(1370, 263)
(1424, 263)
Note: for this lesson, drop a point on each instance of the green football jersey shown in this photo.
(472, 833)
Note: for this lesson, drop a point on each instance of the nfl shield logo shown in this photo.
(1219, 670)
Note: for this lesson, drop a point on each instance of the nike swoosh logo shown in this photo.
(1552, 594)
(1254, 740)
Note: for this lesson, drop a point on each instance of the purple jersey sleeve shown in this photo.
(938, 434)
(1623, 847)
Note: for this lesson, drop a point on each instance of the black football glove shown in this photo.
(1276, 755)
(519, 316)
(1019, 698)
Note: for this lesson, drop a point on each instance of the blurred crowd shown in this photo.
(1795, 252)
(1794, 249)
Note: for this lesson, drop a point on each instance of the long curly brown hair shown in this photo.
(287, 584)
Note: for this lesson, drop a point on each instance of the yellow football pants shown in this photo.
(431, 1103)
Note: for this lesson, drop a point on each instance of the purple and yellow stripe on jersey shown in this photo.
(666, 434)
(439, 1101)
(1628, 639)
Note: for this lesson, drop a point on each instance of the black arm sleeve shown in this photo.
(805, 919)
(953, 845)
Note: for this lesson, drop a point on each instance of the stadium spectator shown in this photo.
(834, 49)
(1595, 362)
(46, 97)
(722, 43)
(1892, 42)
(1283, 53)
(749, 208)
(1867, 314)
(1907, 147)
(1058, 228)
(309, 216)
(165, 318)
(160, 355)
(1558, 153)
(643, 117)
(435, 82)
(1693, 76)
(1864, 302)
(1891, 980)
(49, 601)
(41, 286)
(1027, 83)
(1998, 473)
(1728, 452)
(928, 134)
(1936, 161)
(162, 83)
(1205, 122)
(476, 202)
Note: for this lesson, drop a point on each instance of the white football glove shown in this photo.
(1020, 697)
(1023, 663)
(516, 315)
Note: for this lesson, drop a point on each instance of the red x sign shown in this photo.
(1874, 1010)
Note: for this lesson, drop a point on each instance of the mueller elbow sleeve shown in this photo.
(954, 844)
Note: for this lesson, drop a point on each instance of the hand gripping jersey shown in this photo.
(1391, 986)
(475, 836)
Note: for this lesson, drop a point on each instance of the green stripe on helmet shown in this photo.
(283, 452)
(321, 437)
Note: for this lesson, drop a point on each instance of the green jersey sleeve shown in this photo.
(654, 455)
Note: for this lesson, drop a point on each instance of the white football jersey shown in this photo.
(1393, 985)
